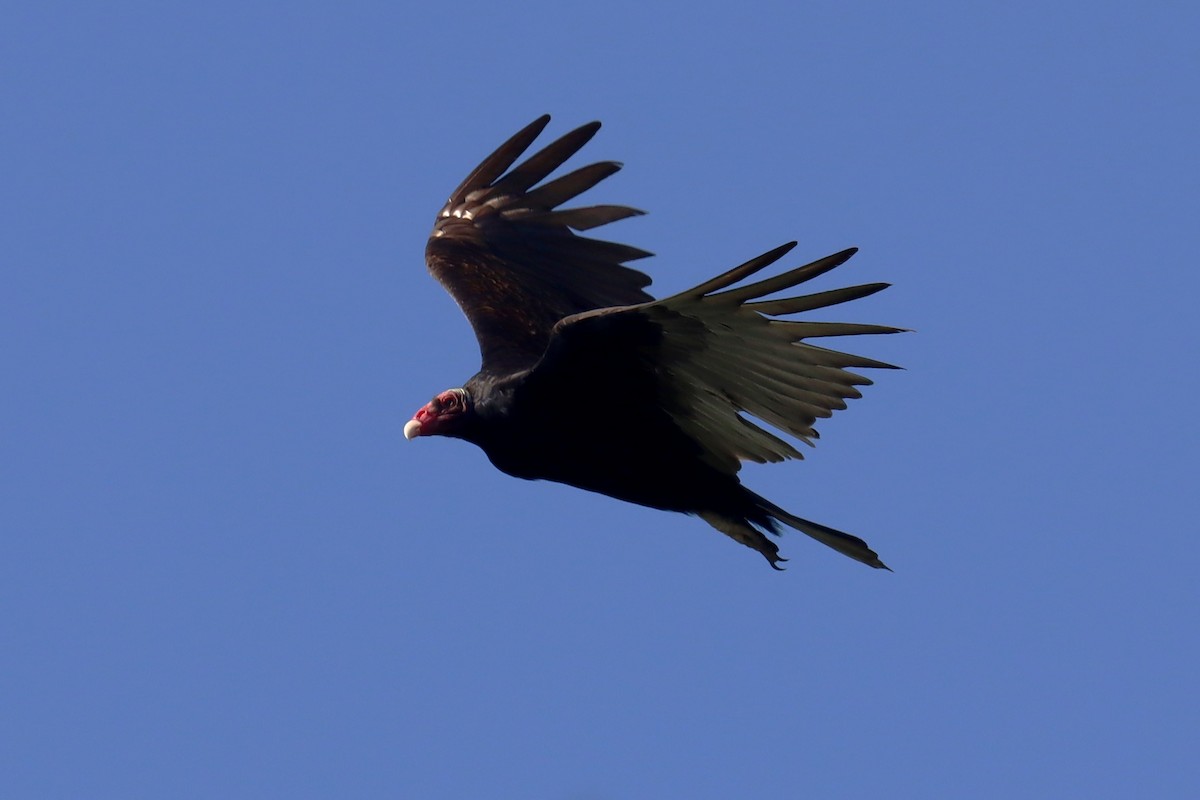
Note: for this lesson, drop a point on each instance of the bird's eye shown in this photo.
(435, 405)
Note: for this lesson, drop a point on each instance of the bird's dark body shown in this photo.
(589, 381)
(642, 457)
(583, 421)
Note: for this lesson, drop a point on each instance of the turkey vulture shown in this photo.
(588, 380)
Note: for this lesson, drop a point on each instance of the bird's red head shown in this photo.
(440, 416)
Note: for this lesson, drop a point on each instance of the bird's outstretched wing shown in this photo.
(511, 258)
(710, 355)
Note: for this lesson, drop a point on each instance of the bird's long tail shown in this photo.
(844, 543)
(740, 529)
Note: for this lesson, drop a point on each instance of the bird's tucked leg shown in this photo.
(742, 531)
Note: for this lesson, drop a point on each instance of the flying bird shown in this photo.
(588, 380)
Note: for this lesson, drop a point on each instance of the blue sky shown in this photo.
(224, 573)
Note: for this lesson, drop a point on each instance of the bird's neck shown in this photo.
(492, 403)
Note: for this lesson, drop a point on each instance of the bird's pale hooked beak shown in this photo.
(412, 429)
